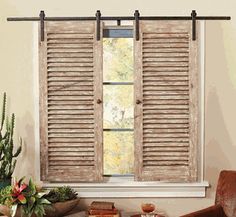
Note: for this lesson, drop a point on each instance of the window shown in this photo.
(118, 107)
(81, 114)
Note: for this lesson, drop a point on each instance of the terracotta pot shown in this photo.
(58, 209)
(62, 208)
(5, 210)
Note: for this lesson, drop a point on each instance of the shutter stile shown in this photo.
(166, 122)
(71, 149)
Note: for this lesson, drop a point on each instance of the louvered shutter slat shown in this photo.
(166, 126)
(71, 137)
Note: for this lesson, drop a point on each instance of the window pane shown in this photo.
(118, 106)
(118, 59)
(118, 153)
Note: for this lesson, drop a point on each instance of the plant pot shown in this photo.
(61, 208)
(18, 212)
(4, 183)
(5, 210)
(58, 209)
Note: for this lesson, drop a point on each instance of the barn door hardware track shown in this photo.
(98, 18)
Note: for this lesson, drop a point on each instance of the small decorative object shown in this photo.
(7, 155)
(148, 207)
(149, 210)
(63, 199)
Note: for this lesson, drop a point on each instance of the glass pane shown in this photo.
(118, 106)
(118, 59)
(118, 153)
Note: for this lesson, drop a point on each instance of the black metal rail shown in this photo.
(98, 18)
(119, 18)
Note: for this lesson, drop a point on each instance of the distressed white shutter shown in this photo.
(70, 110)
(166, 95)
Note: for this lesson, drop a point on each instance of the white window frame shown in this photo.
(126, 187)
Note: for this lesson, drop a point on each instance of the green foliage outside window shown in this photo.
(118, 106)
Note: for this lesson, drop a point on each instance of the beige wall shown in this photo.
(18, 68)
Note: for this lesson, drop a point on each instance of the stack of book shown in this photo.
(102, 209)
(148, 215)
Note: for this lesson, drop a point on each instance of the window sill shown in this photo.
(116, 187)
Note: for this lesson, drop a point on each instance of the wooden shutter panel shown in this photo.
(70, 114)
(166, 120)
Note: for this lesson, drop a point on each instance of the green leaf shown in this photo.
(45, 201)
(12, 168)
(32, 187)
(39, 211)
(31, 202)
(41, 194)
(3, 110)
(18, 151)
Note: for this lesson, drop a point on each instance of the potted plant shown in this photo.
(27, 200)
(7, 154)
(23, 200)
(63, 199)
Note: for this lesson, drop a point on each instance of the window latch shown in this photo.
(138, 101)
(99, 101)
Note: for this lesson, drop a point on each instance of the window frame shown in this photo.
(118, 187)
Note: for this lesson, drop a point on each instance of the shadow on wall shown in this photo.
(220, 144)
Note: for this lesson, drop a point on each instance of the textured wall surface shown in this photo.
(19, 70)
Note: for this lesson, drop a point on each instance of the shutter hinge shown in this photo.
(98, 19)
(193, 15)
(42, 17)
(136, 17)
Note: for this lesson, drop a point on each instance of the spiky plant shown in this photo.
(61, 194)
(7, 154)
